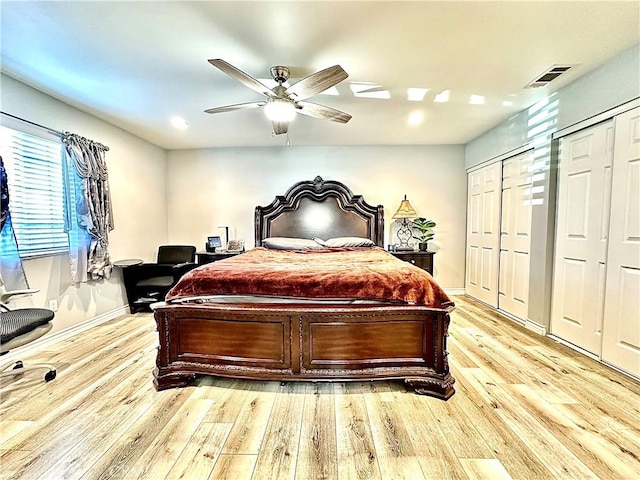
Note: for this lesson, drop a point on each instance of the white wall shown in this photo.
(222, 186)
(137, 173)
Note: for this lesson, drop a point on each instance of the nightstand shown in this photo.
(203, 258)
(424, 260)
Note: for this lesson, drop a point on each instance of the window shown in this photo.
(36, 192)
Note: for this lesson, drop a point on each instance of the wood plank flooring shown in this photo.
(525, 408)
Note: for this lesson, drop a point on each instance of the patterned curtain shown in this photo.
(11, 271)
(4, 195)
(89, 191)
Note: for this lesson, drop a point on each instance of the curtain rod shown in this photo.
(50, 130)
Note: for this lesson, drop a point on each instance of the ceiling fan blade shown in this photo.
(317, 82)
(244, 78)
(280, 127)
(239, 106)
(322, 111)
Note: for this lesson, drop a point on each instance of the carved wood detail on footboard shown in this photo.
(304, 344)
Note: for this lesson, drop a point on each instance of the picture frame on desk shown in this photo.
(235, 246)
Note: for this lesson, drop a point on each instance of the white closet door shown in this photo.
(584, 193)
(515, 235)
(621, 331)
(483, 240)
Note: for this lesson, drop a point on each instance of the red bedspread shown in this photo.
(357, 273)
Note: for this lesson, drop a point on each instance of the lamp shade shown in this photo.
(405, 210)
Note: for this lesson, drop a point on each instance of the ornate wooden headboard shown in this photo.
(319, 208)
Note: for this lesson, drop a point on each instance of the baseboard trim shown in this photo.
(535, 327)
(454, 291)
(47, 340)
(525, 322)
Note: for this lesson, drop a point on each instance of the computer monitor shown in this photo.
(213, 243)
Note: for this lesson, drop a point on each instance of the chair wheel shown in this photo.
(18, 365)
(50, 375)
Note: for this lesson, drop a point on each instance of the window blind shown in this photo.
(36, 191)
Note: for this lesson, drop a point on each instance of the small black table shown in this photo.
(129, 279)
(424, 260)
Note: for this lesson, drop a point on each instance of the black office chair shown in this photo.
(148, 283)
(19, 327)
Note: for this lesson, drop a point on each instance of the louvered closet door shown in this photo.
(621, 330)
(483, 239)
(515, 235)
(584, 193)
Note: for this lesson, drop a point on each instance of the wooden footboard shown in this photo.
(305, 344)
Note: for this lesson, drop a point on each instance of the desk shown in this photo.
(203, 258)
(147, 283)
(128, 262)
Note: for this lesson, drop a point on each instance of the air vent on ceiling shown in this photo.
(548, 76)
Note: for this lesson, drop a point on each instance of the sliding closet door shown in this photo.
(621, 332)
(584, 192)
(483, 239)
(515, 235)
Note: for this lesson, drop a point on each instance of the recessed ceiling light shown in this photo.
(415, 118)
(476, 100)
(442, 97)
(179, 123)
(416, 94)
(507, 103)
(369, 90)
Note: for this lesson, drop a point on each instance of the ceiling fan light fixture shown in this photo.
(279, 110)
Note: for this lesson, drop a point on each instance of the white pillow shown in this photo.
(290, 243)
(342, 242)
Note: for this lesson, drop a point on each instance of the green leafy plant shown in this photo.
(422, 232)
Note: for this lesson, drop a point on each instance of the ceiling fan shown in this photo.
(282, 102)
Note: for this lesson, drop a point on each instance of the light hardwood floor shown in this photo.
(525, 408)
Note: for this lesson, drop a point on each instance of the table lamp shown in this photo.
(403, 215)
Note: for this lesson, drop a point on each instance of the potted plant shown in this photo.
(423, 233)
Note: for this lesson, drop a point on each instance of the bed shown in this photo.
(227, 319)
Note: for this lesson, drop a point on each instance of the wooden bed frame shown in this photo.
(307, 342)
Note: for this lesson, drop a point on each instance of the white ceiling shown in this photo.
(137, 64)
